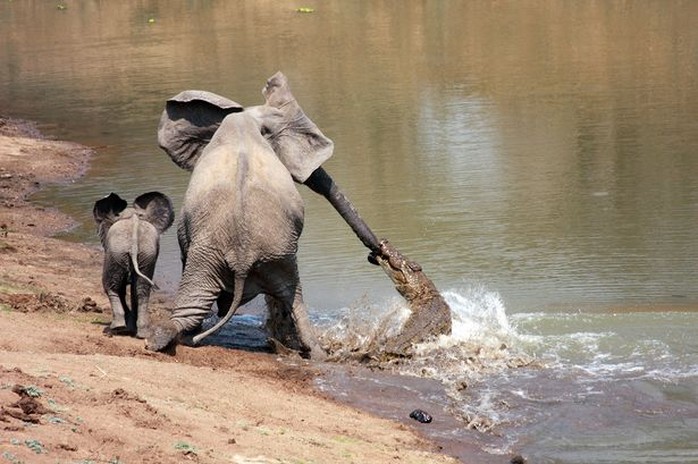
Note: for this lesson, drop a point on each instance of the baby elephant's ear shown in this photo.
(156, 208)
(189, 121)
(108, 208)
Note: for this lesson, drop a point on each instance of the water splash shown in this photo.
(482, 343)
(356, 331)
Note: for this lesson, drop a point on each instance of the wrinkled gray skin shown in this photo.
(242, 214)
(130, 238)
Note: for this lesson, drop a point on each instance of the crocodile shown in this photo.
(430, 314)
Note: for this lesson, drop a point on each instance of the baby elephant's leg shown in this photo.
(114, 281)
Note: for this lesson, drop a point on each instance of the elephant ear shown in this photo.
(108, 208)
(106, 212)
(189, 121)
(156, 208)
(296, 140)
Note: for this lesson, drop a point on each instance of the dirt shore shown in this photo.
(69, 394)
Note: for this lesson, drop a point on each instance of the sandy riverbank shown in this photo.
(107, 399)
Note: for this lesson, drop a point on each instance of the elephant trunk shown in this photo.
(321, 182)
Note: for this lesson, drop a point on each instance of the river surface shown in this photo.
(539, 159)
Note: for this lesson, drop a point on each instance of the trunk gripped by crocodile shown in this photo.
(430, 314)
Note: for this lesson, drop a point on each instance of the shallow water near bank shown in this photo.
(537, 159)
(609, 387)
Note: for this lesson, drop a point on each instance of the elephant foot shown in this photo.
(283, 340)
(119, 330)
(186, 338)
(276, 347)
(313, 351)
(162, 336)
(316, 353)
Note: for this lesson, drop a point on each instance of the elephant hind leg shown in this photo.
(288, 321)
(288, 325)
(198, 290)
(141, 314)
(238, 289)
(120, 311)
(280, 324)
(114, 282)
(132, 315)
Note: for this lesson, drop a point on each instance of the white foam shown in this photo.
(357, 327)
(604, 346)
(478, 315)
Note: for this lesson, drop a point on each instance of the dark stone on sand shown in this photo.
(420, 416)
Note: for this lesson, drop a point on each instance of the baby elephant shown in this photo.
(131, 241)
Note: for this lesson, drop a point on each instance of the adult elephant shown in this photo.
(242, 217)
(131, 240)
(242, 214)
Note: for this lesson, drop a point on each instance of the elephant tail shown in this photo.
(134, 251)
(238, 288)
